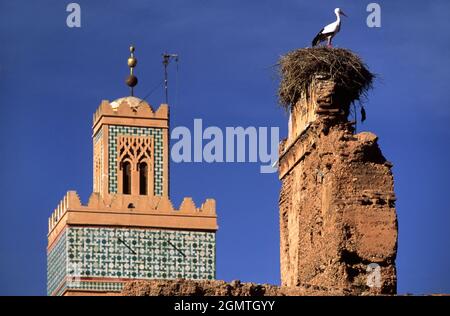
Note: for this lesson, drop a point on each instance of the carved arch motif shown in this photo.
(136, 150)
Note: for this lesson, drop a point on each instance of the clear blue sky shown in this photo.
(52, 78)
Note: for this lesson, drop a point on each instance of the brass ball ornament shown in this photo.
(132, 62)
(131, 81)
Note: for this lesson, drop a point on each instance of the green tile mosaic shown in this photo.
(56, 264)
(131, 254)
(157, 133)
(91, 286)
(98, 286)
(140, 253)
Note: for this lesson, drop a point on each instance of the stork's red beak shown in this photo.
(342, 13)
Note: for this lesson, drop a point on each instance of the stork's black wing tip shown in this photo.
(317, 39)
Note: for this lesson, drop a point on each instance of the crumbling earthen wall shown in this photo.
(182, 287)
(337, 201)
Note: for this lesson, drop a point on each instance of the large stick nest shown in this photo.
(298, 68)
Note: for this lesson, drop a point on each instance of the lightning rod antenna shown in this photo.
(166, 60)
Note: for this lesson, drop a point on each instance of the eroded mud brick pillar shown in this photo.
(338, 224)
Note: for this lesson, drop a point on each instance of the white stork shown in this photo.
(329, 31)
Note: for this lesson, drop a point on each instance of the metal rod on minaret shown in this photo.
(132, 79)
(166, 60)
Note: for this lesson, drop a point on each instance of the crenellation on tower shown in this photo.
(152, 211)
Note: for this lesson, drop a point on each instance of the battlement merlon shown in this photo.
(130, 111)
(119, 210)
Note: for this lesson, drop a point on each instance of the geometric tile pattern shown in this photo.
(60, 291)
(90, 286)
(56, 264)
(114, 132)
(129, 253)
(98, 286)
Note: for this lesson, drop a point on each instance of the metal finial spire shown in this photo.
(132, 79)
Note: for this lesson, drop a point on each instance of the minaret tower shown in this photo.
(129, 229)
